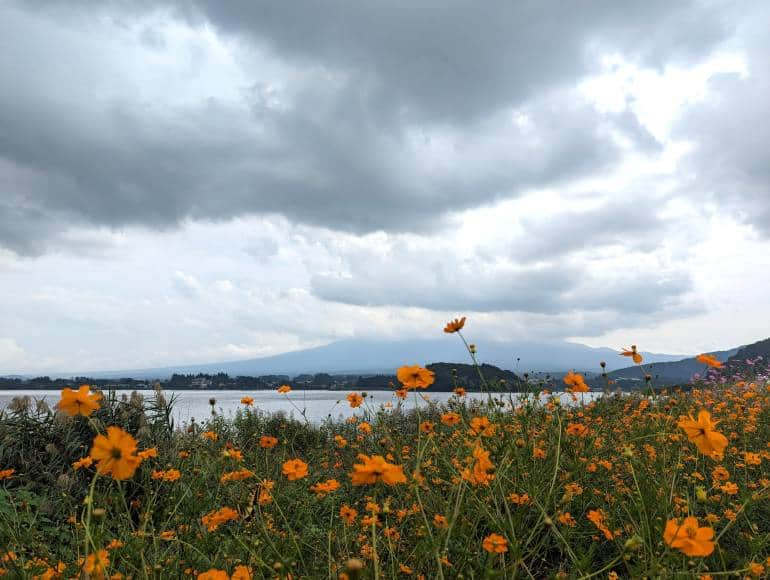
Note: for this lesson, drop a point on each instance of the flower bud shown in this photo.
(633, 543)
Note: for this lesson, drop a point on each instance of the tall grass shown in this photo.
(577, 490)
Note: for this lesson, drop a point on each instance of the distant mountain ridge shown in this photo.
(680, 371)
(736, 360)
(384, 356)
(748, 356)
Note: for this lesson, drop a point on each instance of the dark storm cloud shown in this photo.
(399, 116)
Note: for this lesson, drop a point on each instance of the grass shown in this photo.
(577, 490)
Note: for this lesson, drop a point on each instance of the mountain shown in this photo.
(467, 376)
(451, 375)
(669, 373)
(384, 356)
(749, 357)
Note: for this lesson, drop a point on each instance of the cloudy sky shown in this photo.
(198, 180)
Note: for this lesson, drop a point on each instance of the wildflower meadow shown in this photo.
(649, 484)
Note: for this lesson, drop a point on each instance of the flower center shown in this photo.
(116, 453)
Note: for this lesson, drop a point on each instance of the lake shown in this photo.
(317, 405)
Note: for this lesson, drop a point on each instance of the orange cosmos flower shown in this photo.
(495, 544)
(265, 487)
(364, 427)
(96, 564)
(454, 325)
(709, 360)
(323, 488)
(216, 518)
(598, 518)
(283, 389)
(460, 392)
(450, 419)
(115, 454)
(575, 383)
(702, 433)
(53, 571)
(689, 538)
(401, 393)
(355, 400)
(729, 488)
(241, 573)
(6, 474)
(170, 475)
(295, 469)
(375, 469)
(720, 473)
(148, 453)
(520, 499)
(479, 473)
(427, 426)
(236, 454)
(752, 458)
(210, 435)
(482, 426)
(440, 522)
(415, 377)
(267, 442)
(83, 462)
(635, 356)
(238, 475)
(348, 514)
(248, 401)
(577, 430)
(80, 402)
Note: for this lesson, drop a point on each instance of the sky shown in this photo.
(195, 181)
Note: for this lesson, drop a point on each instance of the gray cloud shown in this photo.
(731, 160)
(438, 277)
(386, 119)
(632, 221)
(232, 164)
(458, 59)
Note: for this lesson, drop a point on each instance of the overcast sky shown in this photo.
(197, 180)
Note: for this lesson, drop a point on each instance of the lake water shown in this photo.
(317, 405)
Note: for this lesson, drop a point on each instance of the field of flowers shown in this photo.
(646, 485)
